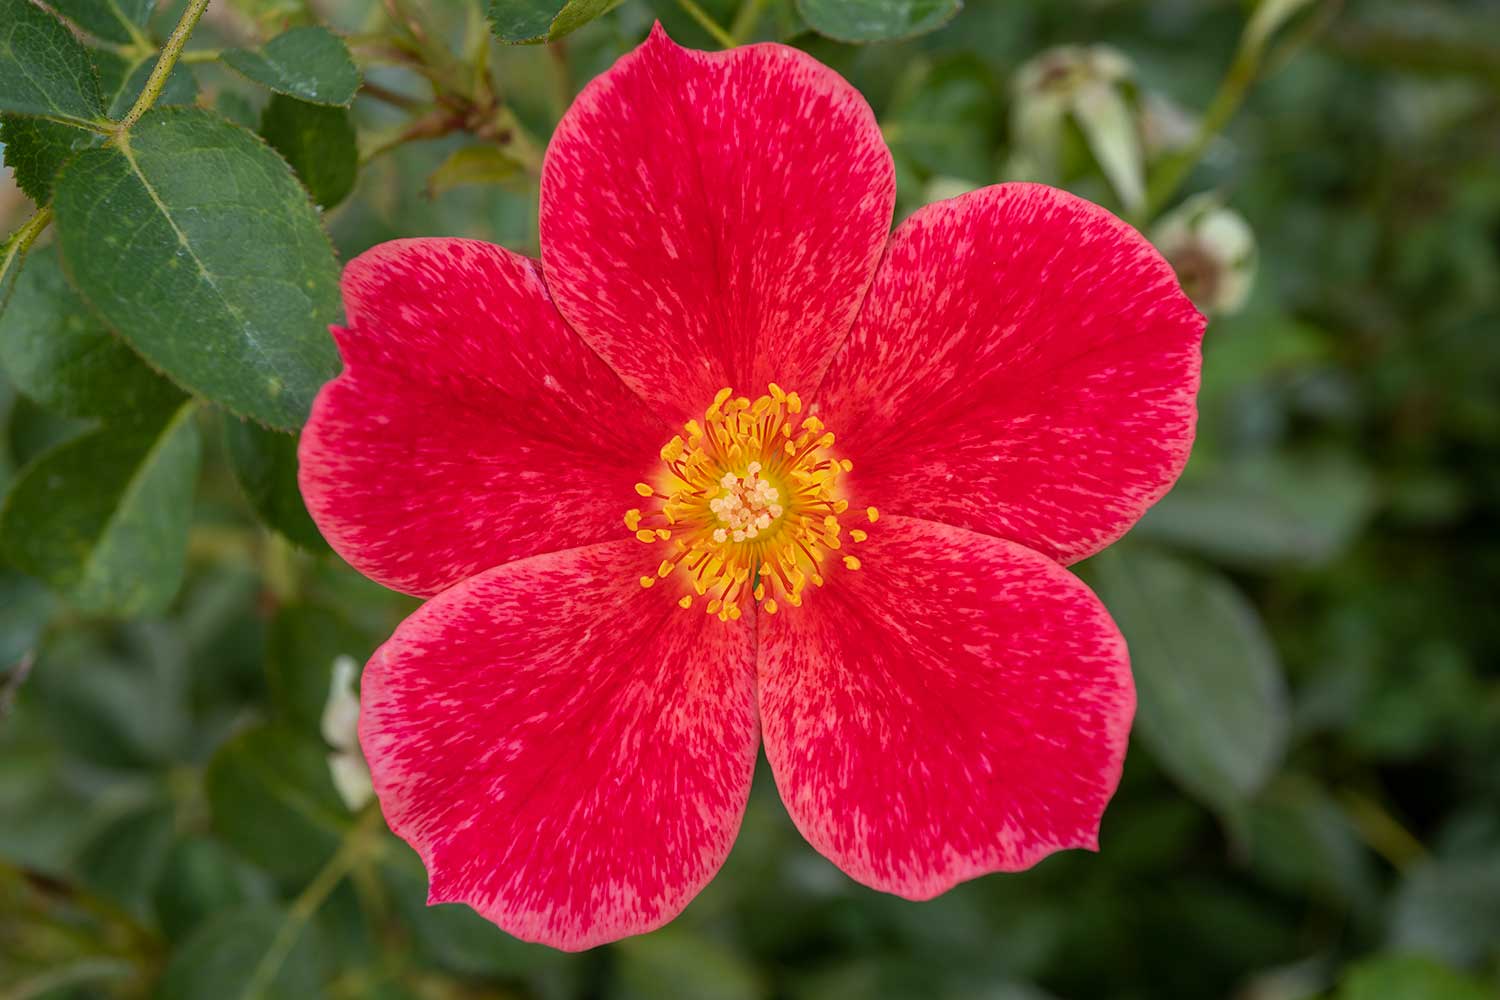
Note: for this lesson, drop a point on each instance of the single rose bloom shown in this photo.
(735, 464)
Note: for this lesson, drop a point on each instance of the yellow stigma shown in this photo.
(747, 507)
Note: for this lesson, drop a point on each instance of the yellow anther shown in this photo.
(872, 514)
(749, 491)
(858, 534)
(851, 562)
(648, 582)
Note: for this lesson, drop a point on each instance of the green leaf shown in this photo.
(1408, 977)
(698, 966)
(196, 244)
(1281, 509)
(25, 608)
(273, 801)
(265, 464)
(310, 64)
(111, 20)
(947, 122)
(201, 877)
(876, 20)
(318, 141)
(59, 354)
(125, 860)
(124, 79)
(1304, 843)
(1450, 908)
(251, 953)
(304, 641)
(44, 70)
(103, 519)
(35, 149)
(452, 935)
(475, 165)
(530, 21)
(1211, 699)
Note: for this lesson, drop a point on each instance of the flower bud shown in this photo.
(1093, 89)
(1212, 249)
(340, 726)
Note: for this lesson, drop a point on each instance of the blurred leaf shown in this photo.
(527, 21)
(304, 642)
(35, 149)
(1450, 908)
(242, 954)
(25, 607)
(1211, 700)
(44, 70)
(273, 801)
(696, 966)
(310, 64)
(111, 20)
(876, 20)
(1273, 509)
(265, 464)
(475, 165)
(318, 141)
(32, 429)
(59, 354)
(1302, 841)
(452, 935)
(103, 519)
(1408, 977)
(124, 861)
(112, 698)
(201, 878)
(1269, 16)
(197, 245)
(947, 122)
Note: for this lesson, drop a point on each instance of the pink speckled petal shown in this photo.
(569, 753)
(959, 705)
(712, 219)
(1026, 366)
(470, 426)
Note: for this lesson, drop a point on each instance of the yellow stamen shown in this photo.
(749, 501)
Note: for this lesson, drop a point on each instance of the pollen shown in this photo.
(747, 507)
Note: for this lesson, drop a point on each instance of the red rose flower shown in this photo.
(860, 560)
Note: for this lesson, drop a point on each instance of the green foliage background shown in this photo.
(1311, 806)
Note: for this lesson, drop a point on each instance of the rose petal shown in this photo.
(570, 753)
(470, 426)
(959, 705)
(1026, 366)
(712, 219)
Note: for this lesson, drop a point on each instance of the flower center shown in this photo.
(748, 505)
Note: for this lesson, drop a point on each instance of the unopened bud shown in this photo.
(1212, 249)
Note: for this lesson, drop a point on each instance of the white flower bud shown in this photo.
(1094, 88)
(1212, 248)
(340, 726)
